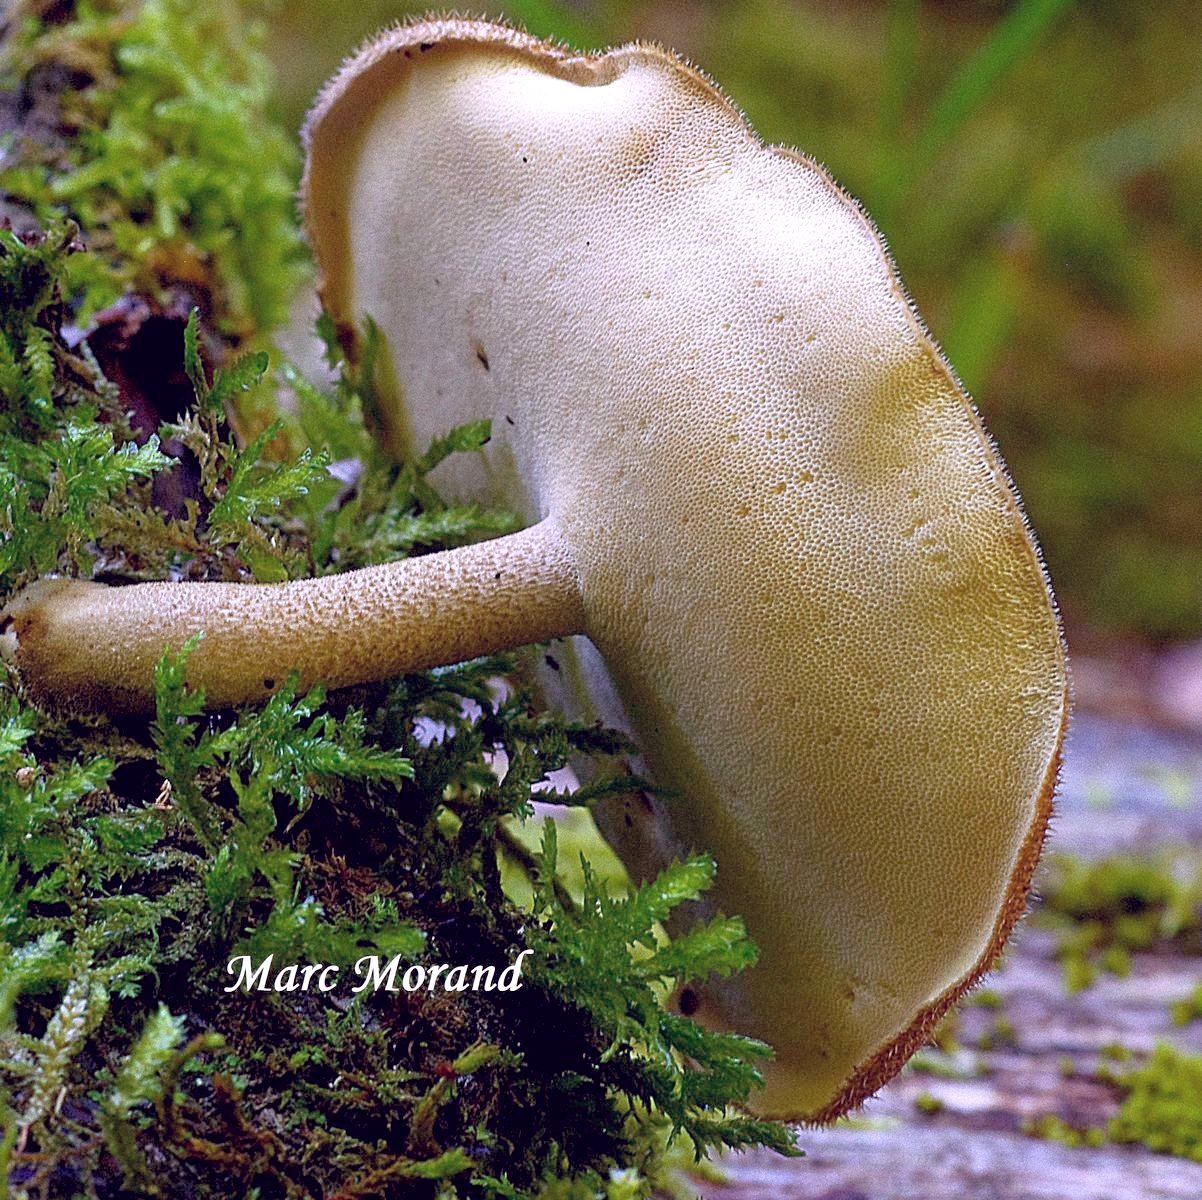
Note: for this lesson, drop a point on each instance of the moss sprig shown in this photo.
(609, 954)
(172, 168)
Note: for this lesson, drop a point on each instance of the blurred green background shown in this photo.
(1037, 169)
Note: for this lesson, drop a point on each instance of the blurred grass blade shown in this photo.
(1014, 37)
(901, 51)
(897, 79)
(987, 303)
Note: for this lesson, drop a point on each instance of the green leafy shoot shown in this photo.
(139, 1077)
(287, 749)
(62, 467)
(609, 954)
(193, 366)
(182, 749)
(256, 489)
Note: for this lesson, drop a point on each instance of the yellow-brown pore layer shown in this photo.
(872, 1075)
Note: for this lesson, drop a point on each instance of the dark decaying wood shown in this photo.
(1126, 789)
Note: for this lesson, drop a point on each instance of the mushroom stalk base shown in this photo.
(84, 646)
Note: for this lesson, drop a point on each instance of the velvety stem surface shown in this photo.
(86, 646)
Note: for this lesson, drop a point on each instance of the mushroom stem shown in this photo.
(86, 646)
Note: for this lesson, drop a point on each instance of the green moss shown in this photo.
(985, 998)
(943, 1065)
(1162, 1108)
(172, 169)
(1188, 1009)
(1056, 1129)
(65, 452)
(1116, 1052)
(1104, 910)
(1000, 1033)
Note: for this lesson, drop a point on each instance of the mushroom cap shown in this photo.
(800, 555)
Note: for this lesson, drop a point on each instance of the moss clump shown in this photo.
(1103, 911)
(1162, 1108)
(1055, 1129)
(65, 448)
(1000, 1033)
(163, 154)
(985, 998)
(1189, 1008)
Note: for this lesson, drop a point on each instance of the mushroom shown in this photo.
(751, 481)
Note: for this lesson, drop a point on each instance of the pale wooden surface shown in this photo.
(927, 1163)
(1126, 789)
